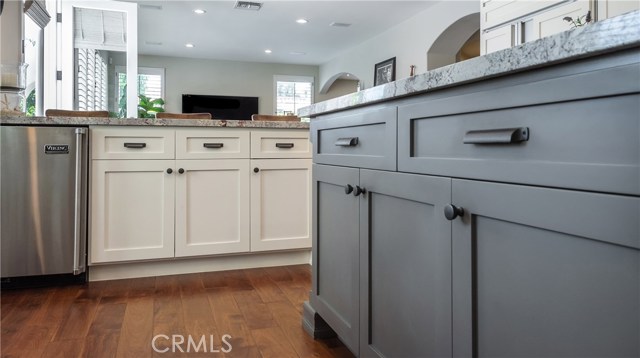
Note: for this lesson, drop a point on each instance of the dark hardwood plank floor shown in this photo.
(260, 309)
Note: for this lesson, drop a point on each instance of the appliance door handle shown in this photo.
(497, 136)
(78, 257)
(284, 145)
(135, 145)
(213, 145)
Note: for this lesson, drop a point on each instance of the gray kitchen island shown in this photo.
(488, 208)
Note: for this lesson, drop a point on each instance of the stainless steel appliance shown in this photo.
(43, 188)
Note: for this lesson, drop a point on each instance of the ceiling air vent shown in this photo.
(248, 5)
(339, 24)
(150, 7)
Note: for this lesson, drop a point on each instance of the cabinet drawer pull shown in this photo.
(213, 145)
(135, 145)
(284, 145)
(497, 136)
(347, 142)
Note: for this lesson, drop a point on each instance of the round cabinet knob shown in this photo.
(359, 191)
(348, 189)
(169, 171)
(255, 170)
(181, 171)
(451, 212)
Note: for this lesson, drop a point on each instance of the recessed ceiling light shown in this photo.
(267, 51)
(190, 45)
(302, 21)
(199, 11)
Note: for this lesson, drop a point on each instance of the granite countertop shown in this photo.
(211, 123)
(600, 37)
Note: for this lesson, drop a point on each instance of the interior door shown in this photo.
(405, 270)
(544, 272)
(97, 36)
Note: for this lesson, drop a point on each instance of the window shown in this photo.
(150, 84)
(292, 93)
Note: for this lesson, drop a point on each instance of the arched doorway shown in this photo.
(458, 42)
(339, 84)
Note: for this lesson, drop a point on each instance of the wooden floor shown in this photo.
(260, 309)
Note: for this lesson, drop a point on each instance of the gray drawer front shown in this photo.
(579, 143)
(372, 134)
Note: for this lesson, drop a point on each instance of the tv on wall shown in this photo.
(220, 107)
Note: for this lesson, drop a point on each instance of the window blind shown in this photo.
(92, 81)
(100, 29)
(150, 85)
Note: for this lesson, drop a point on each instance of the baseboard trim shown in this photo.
(118, 271)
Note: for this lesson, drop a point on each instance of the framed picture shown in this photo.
(384, 72)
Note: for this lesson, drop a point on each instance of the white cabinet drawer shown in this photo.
(280, 144)
(132, 143)
(212, 144)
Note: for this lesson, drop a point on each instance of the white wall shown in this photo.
(408, 42)
(224, 78)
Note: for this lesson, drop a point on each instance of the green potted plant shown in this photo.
(147, 107)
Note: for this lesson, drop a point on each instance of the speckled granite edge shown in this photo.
(604, 36)
(86, 121)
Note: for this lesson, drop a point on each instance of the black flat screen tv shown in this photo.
(220, 107)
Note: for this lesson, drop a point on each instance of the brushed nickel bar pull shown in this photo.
(213, 145)
(135, 145)
(284, 145)
(497, 136)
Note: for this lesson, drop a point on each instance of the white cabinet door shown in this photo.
(495, 12)
(132, 209)
(498, 39)
(611, 8)
(551, 22)
(212, 207)
(280, 204)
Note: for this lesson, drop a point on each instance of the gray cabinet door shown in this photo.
(405, 270)
(544, 272)
(335, 251)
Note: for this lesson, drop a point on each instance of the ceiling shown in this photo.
(226, 33)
